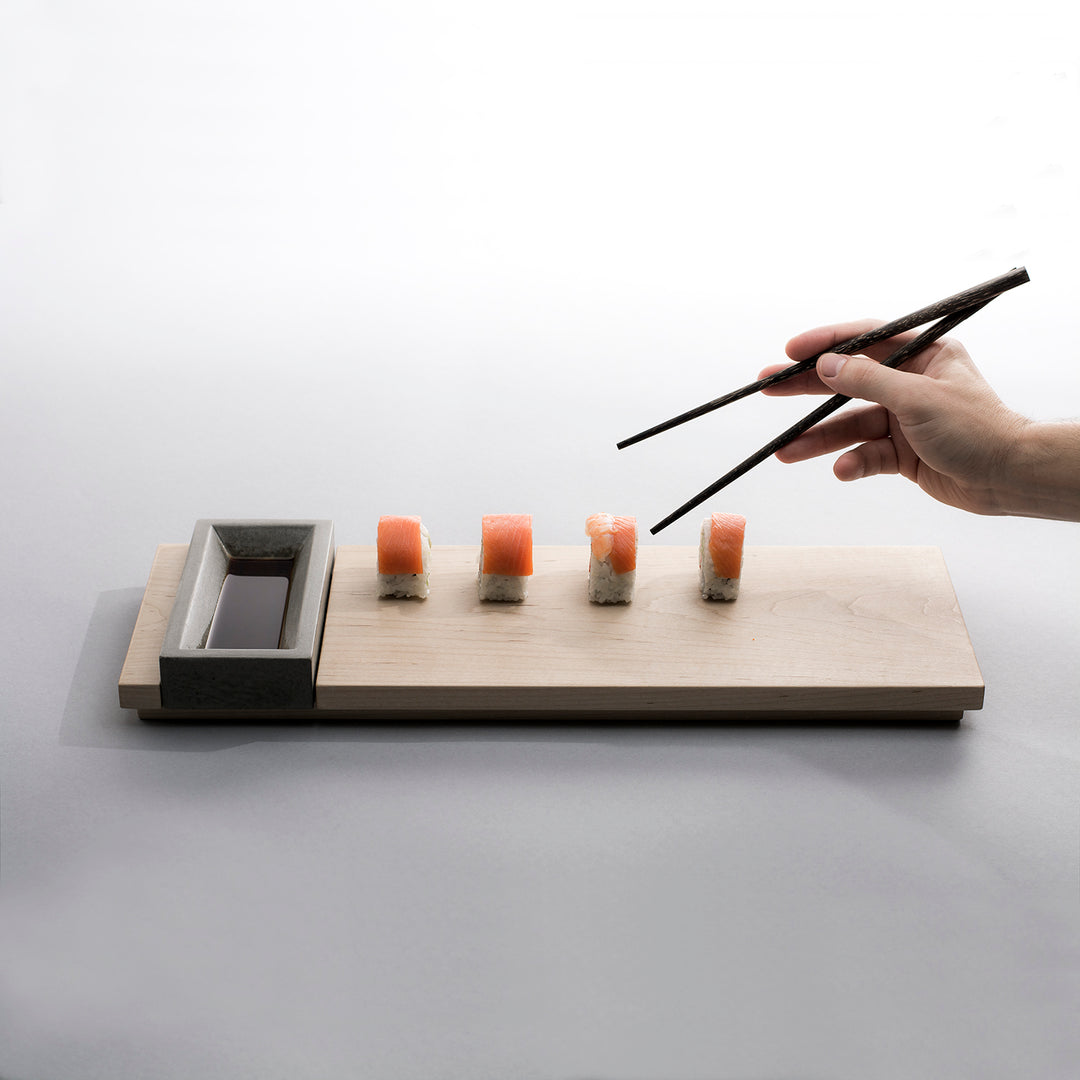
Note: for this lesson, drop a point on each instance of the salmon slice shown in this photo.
(399, 549)
(726, 544)
(507, 540)
(614, 538)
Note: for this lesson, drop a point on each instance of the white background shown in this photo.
(339, 260)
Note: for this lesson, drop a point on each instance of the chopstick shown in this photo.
(961, 301)
(905, 352)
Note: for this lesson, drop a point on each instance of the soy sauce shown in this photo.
(250, 612)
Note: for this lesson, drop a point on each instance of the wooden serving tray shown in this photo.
(818, 633)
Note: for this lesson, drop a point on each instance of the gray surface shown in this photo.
(193, 677)
(228, 238)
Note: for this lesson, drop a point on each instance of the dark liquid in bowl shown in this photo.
(250, 611)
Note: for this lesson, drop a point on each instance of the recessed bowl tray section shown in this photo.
(246, 627)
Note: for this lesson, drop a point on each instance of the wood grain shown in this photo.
(818, 633)
(140, 679)
(814, 630)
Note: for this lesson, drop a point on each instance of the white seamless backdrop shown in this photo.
(343, 259)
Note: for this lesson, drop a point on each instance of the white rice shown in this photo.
(408, 585)
(713, 587)
(510, 587)
(607, 587)
(502, 586)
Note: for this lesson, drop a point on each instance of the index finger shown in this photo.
(805, 382)
(824, 338)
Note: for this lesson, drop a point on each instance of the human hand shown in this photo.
(937, 421)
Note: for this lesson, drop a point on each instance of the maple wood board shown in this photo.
(140, 678)
(817, 633)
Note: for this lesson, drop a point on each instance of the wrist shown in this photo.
(1041, 473)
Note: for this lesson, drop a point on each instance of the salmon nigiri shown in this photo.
(506, 556)
(720, 556)
(403, 556)
(613, 558)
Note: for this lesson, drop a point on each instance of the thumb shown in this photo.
(858, 377)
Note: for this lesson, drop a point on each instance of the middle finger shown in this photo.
(855, 426)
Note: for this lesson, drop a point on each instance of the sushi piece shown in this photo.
(403, 557)
(720, 556)
(506, 561)
(613, 558)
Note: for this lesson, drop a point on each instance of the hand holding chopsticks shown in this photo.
(949, 313)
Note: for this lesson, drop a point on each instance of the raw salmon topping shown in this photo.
(614, 538)
(400, 550)
(726, 544)
(507, 540)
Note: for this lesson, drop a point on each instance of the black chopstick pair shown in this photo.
(951, 312)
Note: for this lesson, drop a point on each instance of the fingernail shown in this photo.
(830, 364)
